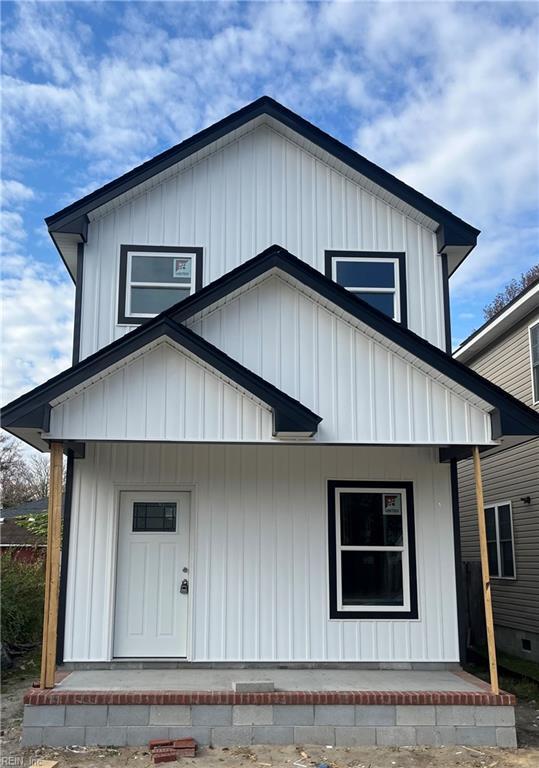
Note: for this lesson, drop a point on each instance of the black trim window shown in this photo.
(153, 278)
(371, 550)
(379, 278)
(501, 553)
(534, 357)
(154, 517)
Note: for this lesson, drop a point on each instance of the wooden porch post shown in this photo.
(485, 572)
(52, 568)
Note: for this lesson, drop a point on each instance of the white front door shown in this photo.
(153, 559)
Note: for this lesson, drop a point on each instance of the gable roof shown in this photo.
(510, 416)
(514, 312)
(32, 410)
(454, 236)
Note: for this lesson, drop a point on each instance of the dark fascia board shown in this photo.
(512, 416)
(452, 231)
(33, 409)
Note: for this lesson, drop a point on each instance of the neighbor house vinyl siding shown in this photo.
(506, 362)
(509, 476)
(260, 189)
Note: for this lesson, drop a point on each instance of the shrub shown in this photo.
(21, 592)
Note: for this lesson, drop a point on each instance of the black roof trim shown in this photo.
(451, 231)
(513, 416)
(32, 409)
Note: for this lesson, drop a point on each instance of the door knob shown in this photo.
(184, 587)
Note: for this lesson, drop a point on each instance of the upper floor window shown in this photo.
(379, 278)
(153, 278)
(534, 355)
(501, 556)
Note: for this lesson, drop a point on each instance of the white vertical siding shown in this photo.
(162, 394)
(259, 190)
(259, 551)
(363, 391)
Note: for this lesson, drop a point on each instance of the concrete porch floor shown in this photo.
(283, 679)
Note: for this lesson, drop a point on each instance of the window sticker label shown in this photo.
(392, 504)
(181, 267)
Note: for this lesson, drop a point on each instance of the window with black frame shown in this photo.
(153, 278)
(375, 277)
(372, 552)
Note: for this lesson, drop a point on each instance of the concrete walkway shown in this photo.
(284, 680)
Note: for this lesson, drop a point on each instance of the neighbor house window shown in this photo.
(534, 355)
(371, 550)
(377, 278)
(501, 555)
(153, 278)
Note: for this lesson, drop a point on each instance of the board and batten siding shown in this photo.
(364, 391)
(161, 394)
(259, 567)
(509, 476)
(258, 190)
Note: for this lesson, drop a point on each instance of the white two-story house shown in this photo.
(263, 418)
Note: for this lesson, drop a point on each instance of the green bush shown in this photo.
(21, 592)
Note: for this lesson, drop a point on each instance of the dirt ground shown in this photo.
(526, 756)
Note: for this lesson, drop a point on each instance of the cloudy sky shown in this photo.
(442, 95)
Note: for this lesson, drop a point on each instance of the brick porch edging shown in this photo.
(474, 698)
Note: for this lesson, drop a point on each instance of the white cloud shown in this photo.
(441, 94)
(37, 310)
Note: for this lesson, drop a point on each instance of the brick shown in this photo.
(44, 715)
(314, 734)
(437, 736)
(129, 714)
(252, 686)
(377, 714)
(231, 735)
(506, 737)
(455, 715)
(476, 735)
(201, 734)
(293, 714)
(494, 716)
(107, 736)
(211, 715)
(252, 714)
(411, 714)
(396, 736)
(184, 743)
(156, 743)
(169, 756)
(273, 734)
(170, 714)
(356, 736)
(32, 736)
(86, 714)
(62, 736)
(138, 735)
(334, 714)
(186, 752)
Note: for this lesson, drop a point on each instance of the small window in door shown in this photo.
(154, 516)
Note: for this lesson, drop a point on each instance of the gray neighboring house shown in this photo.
(506, 351)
